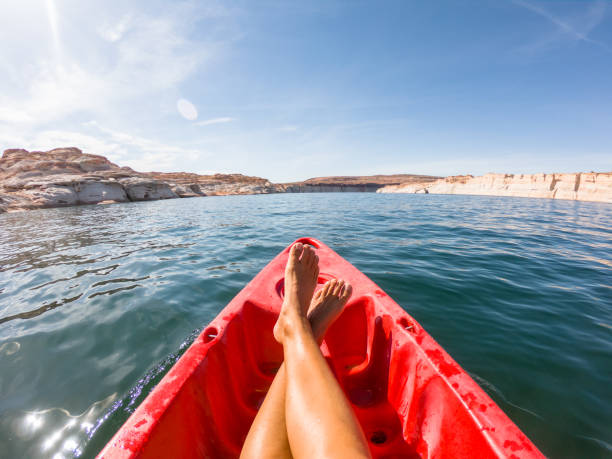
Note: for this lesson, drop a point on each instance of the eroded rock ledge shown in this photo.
(581, 186)
(67, 177)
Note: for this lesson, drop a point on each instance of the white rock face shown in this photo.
(67, 176)
(94, 192)
(581, 186)
(51, 196)
(145, 189)
(410, 188)
(186, 191)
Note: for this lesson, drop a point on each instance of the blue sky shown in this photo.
(291, 90)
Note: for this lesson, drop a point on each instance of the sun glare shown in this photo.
(52, 15)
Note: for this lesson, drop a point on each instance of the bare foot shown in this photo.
(327, 305)
(301, 274)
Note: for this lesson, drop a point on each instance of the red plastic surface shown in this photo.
(411, 398)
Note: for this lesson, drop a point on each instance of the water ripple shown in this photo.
(99, 300)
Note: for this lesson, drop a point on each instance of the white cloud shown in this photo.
(49, 139)
(9, 115)
(140, 56)
(125, 149)
(147, 154)
(114, 32)
(577, 28)
(123, 67)
(225, 119)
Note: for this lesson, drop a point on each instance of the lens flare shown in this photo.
(187, 109)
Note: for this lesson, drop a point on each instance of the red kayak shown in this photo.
(411, 398)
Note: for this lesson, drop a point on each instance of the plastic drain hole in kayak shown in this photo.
(210, 334)
(378, 437)
(403, 322)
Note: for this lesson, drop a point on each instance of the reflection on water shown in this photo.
(38, 311)
(54, 432)
(10, 347)
(97, 302)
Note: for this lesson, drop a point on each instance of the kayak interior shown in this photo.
(410, 397)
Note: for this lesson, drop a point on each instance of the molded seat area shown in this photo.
(411, 398)
(403, 405)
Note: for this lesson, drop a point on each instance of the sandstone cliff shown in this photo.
(215, 185)
(368, 183)
(583, 186)
(67, 177)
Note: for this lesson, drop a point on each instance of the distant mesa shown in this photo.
(366, 183)
(581, 186)
(68, 177)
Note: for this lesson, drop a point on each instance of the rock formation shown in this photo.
(67, 177)
(582, 186)
(369, 183)
(215, 185)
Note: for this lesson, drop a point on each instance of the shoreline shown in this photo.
(581, 186)
(66, 177)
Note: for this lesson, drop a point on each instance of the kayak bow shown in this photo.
(411, 398)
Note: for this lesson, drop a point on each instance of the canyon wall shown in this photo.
(67, 177)
(323, 188)
(216, 184)
(353, 183)
(584, 186)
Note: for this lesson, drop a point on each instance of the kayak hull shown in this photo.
(410, 397)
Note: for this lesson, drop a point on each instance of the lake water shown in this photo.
(97, 302)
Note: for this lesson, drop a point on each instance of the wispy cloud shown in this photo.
(121, 147)
(225, 119)
(143, 144)
(135, 66)
(114, 31)
(131, 58)
(589, 20)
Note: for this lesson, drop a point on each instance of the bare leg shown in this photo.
(267, 437)
(319, 419)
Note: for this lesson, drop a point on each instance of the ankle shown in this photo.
(291, 324)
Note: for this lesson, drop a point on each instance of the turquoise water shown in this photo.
(96, 302)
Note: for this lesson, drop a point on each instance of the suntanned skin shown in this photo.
(267, 436)
(305, 413)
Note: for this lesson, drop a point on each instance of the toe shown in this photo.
(329, 286)
(306, 255)
(296, 251)
(347, 292)
(315, 260)
(338, 288)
